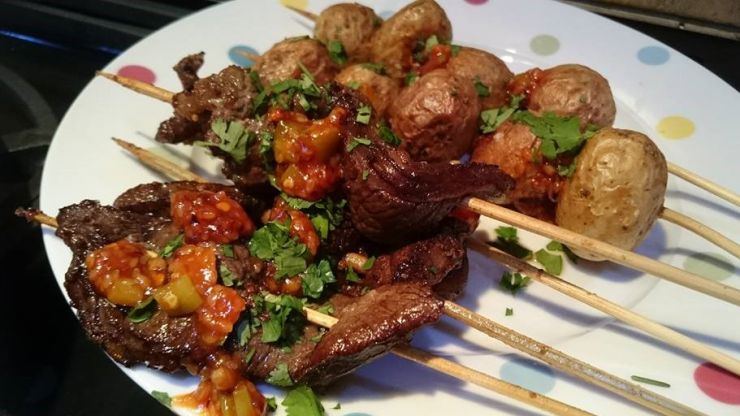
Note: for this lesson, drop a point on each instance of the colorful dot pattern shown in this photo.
(675, 127)
(138, 72)
(710, 265)
(653, 55)
(544, 45)
(236, 54)
(529, 374)
(718, 383)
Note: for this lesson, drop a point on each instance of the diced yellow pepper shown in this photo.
(178, 297)
(243, 401)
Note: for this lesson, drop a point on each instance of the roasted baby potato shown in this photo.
(282, 61)
(616, 191)
(479, 66)
(379, 89)
(351, 24)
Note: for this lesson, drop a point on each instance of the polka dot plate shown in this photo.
(688, 112)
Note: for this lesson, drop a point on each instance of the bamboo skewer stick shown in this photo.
(614, 254)
(551, 356)
(159, 164)
(703, 183)
(305, 13)
(251, 56)
(661, 332)
(527, 345)
(704, 231)
(424, 358)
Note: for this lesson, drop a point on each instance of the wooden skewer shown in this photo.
(617, 255)
(702, 230)
(548, 354)
(251, 56)
(159, 164)
(424, 358)
(614, 254)
(661, 332)
(308, 15)
(525, 344)
(703, 183)
(139, 86)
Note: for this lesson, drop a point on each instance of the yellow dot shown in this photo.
(675, 127)
(298, 4)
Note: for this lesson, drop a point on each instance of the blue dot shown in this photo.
(235, 54)
(529, 374)
(385, 14)
(653, 55)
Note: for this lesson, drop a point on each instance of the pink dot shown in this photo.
(476, 2)
(138, 72)
(718, 383)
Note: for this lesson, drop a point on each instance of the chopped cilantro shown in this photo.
(254, 76)
(495, 117)
(143, 311)
(273, 242)
(321, 225)
(455, 50)
(337, 406)
(352, 275)
(650, 381)
(377, 68)
(365, 172)
(302, 401)
(248, 326)
(553, 263)
(280, 377)
(368, 263)
(234, 139)
(265, 149)
(316, 338)
(326, 309)
(387, 134)
(228, 250)
(172, 245)
(513, 282)
(286, 320)
(557, 134)
(336, 52)
(316, 277)
(481, 88)
(410, 78)
(325, 214)
(363, 114)
(353, 84)
(271, 404)
(508, 234)
(162, 397)
(249, 355)
(227, 277)
(567, 170)
(431, 42)
(356, 141)
(509, 311)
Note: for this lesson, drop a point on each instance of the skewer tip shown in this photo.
(308, 15)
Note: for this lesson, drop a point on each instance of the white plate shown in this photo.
(651, 83)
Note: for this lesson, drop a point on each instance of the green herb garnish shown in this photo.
(353, 84)
(227, 277)
(363, 114)
(508, 234)
(336, 52)
(234, 139)
(377, 68)
(271, 404)
(553, 263)
(387, 134)
(508, 241)
(481, 88)
(557, 134)
(513, 282)
(325, 214)
(162, 397)
(172, 245)
(410, 78)
(316, 277)
(228, 250)
(273, 242)
(368, 263)
(302, 401)
(326, 309)
(143, 311)
(356, 141)
(650, 381)
(509, 311)
(286, 320)
(247, 358)
(280, 377)
(495, 117)
(352, 275)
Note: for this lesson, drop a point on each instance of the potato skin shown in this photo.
(393, 43)
(472, 64)
(574, 90)
(351, 24)
(380, 90)
(436, 117)
(281, 61)
(617, 190)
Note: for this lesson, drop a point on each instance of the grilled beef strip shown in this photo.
(395, 200)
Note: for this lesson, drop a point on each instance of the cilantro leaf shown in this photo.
(325, 214)
(509, 311)
(228, 250)
(553, 263)
(431, 42)
(377, 68)
(326, 309)
(336, 52)
(280, 377)
(273, 242)
(410, 78)
(143, 311)
(172, 245)
(353, 84)
(316, 277)
(368, 263)
(567, 170)
(481, 88)
(387, 134)
(493, 118)
(227, 277)
(356, 141)
(646, 380)
(234, 139)
(249, 355)
(508, 241)
(557, 134)
(302, 401)
(508, 234)
(271, 404)
(513, 282)
(352, 275)
(286, 320)
(455, 50)
(363, 114)
(162, 397)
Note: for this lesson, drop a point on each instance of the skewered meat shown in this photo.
(436, 117)
(379, 89)
(476, 65)
(394, 200)
(394, 42)
(284, 59)
(567, 90)
(351, 24)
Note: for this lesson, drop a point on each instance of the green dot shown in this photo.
(544, 44)
(710, 265)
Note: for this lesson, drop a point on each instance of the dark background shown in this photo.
(48, 51)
